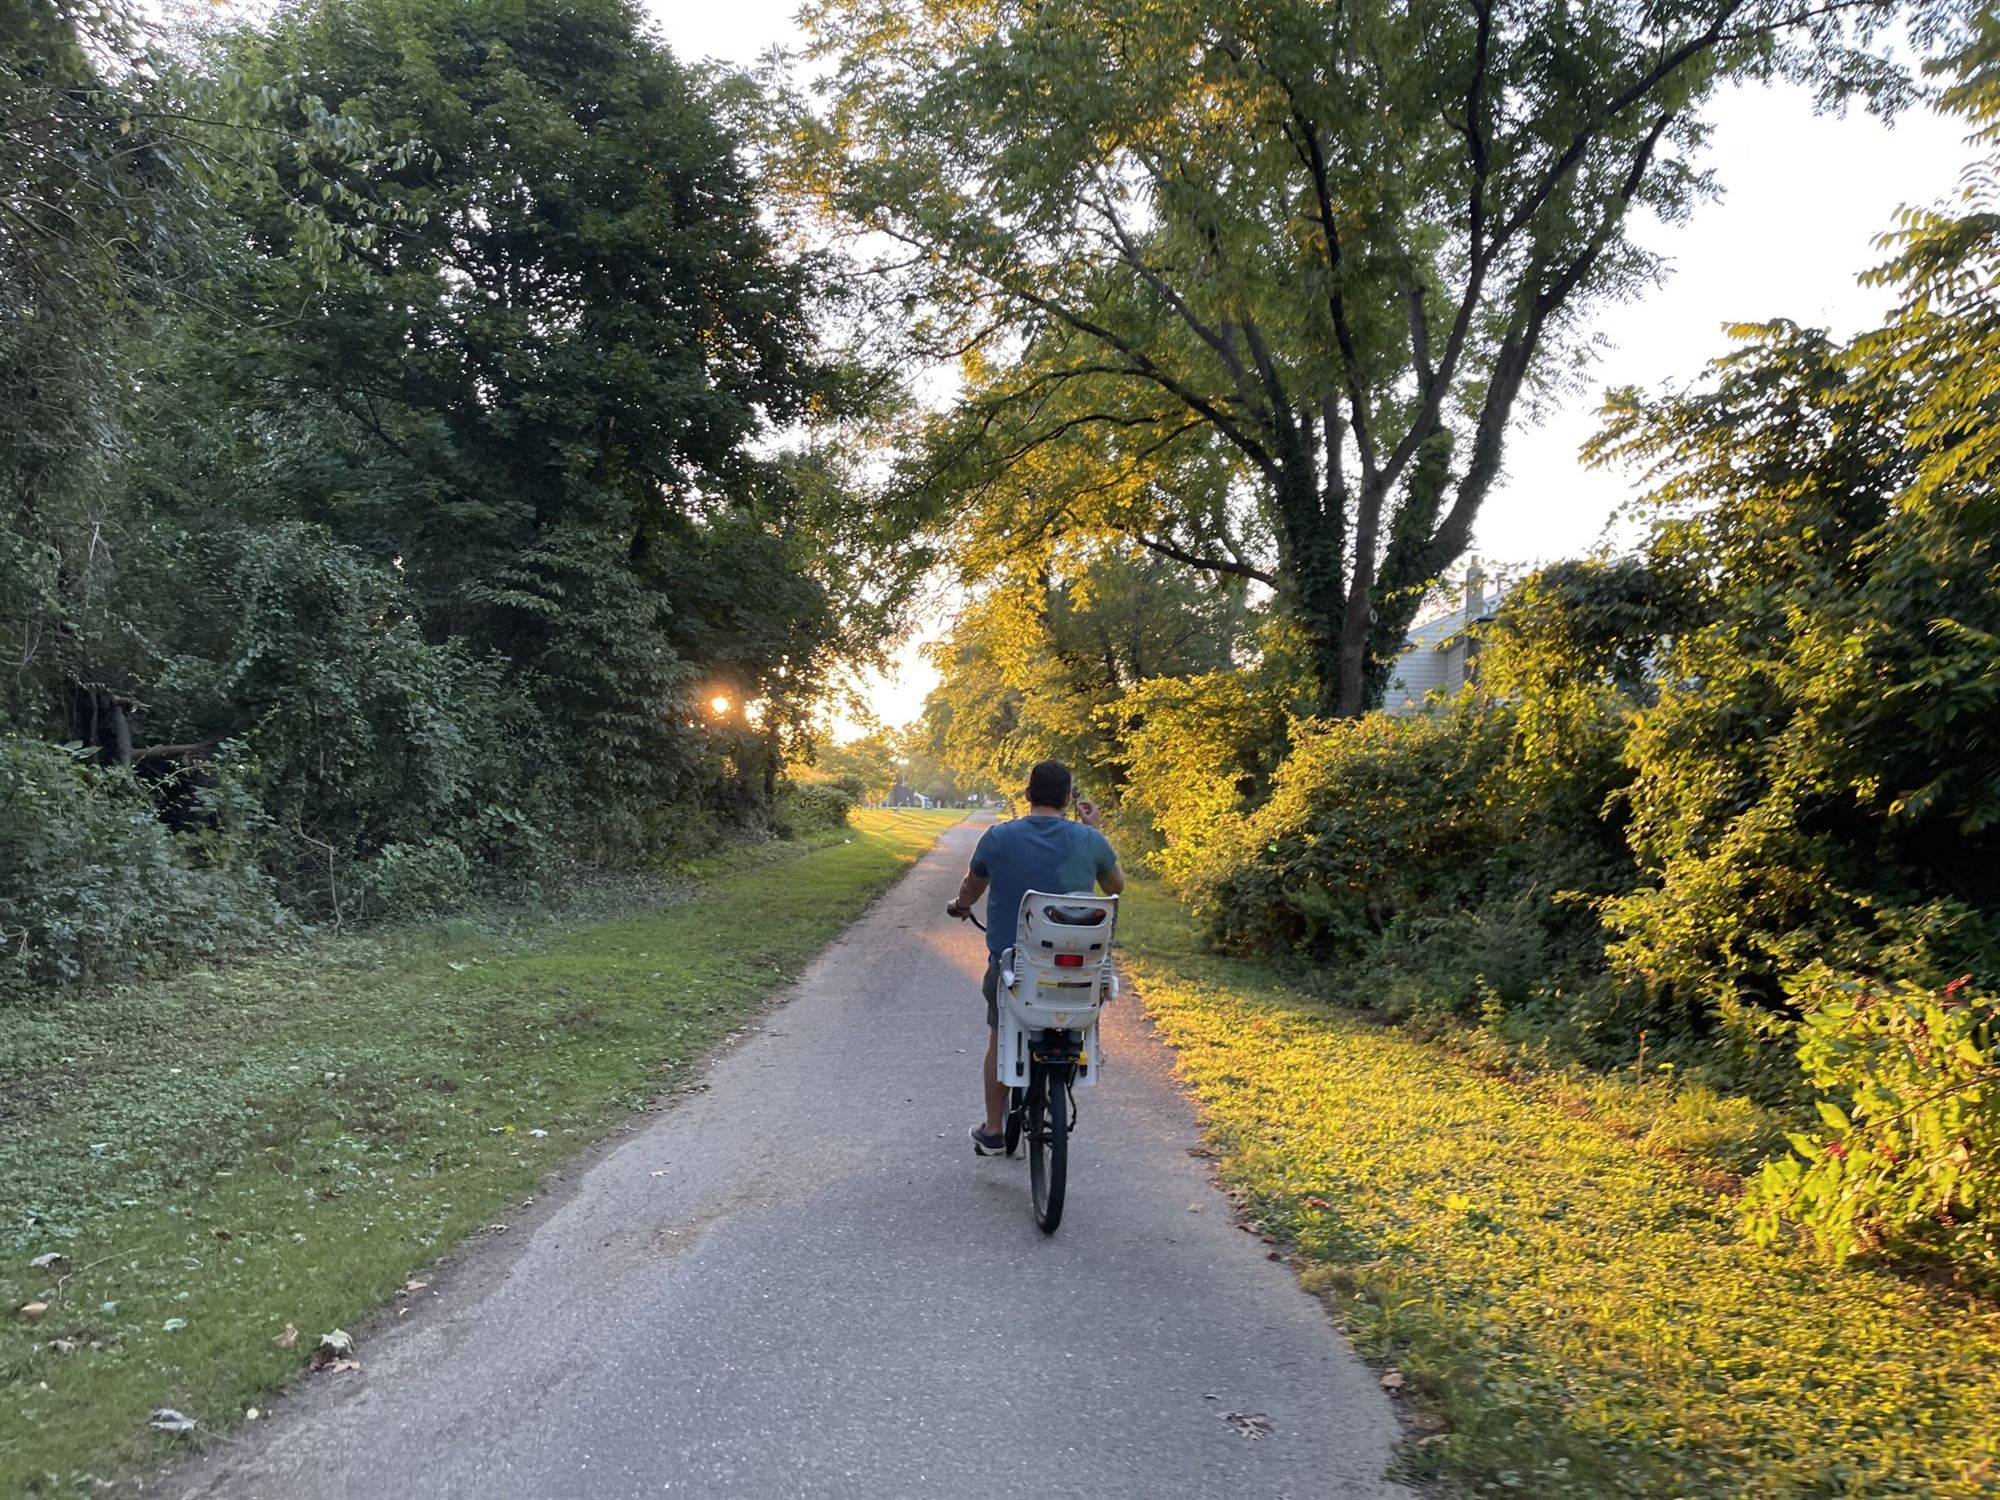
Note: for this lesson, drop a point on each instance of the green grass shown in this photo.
(1574, 1315)
(285, 1140)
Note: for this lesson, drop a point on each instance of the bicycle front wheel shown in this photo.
(1047, 1111)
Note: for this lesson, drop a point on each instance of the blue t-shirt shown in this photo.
(1037, 853)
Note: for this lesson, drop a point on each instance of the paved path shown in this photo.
(801, 1282)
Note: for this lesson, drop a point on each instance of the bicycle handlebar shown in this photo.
(964, 916)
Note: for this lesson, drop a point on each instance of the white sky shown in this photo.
(1803, 199)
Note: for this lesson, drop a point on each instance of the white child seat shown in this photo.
(1056, 977)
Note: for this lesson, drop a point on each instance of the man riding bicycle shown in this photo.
(1044, 851)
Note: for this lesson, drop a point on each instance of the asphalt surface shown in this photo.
(801, 1282)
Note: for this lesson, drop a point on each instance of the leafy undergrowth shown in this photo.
(1574, 1316)
(284, 1141)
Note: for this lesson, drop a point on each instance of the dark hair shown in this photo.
(1048, 784)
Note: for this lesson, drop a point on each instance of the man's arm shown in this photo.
(1112, 880)
(970, 890)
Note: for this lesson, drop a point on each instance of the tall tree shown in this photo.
(545, 384)
(1343, 241)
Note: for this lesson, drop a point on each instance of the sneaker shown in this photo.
(987, 1145)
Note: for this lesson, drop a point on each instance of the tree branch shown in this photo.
(1129, 253)
(1343, 332)
(1211, 564)
(1668, 64)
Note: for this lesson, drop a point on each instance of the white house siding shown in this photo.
(1436, 659)
(1420, 671)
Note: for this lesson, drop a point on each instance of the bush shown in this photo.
(1369, 820)
(808, 807)
(356, 734)
(1201, 751)
(413, 880)
(94, 886)
(1909, 1161)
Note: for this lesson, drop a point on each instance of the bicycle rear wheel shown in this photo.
(1012, 1130)
(1047, 1113)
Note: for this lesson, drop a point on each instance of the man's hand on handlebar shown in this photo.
(959, 910)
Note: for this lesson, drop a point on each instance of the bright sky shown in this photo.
(1803, 199)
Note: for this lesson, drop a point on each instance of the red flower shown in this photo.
(1951, 990)
(1834, 1148)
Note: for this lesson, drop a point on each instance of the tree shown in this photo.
(865, 764)
(536, 399)
(1339, 244)
(109, 216)
(1040, 663)
(1820, 779)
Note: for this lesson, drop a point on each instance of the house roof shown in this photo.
(1440, 631)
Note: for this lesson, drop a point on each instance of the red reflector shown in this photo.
(1069, 960)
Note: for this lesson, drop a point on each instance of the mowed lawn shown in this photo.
(1570, 1315)
(284, 1141)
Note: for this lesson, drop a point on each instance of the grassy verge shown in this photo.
(284, 1141)
(1572, 1316)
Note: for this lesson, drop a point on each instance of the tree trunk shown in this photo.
(1357, 623)
(1313, 562)
(121, 734)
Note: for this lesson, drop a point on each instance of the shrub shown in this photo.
(93, 885)
(1819, 769)
(815, 806)
(1368, 819)
(356, 734)
(1909, 1161)
(1201, 751)
(413, 880)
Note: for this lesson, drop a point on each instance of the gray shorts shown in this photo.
(990, 988)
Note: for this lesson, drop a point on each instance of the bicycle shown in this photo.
(1054, 982)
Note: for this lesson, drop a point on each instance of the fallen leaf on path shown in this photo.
(1251, 1424)
(288, 1338)
(34, 1311)
(340, 1366)
(1393, 1381)
(62, 1346)
(334, 1348)
(166, 1419)
(173, 1325)
(415, 1286)
(47, 1262)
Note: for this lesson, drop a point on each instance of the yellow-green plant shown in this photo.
(1911, 1159)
